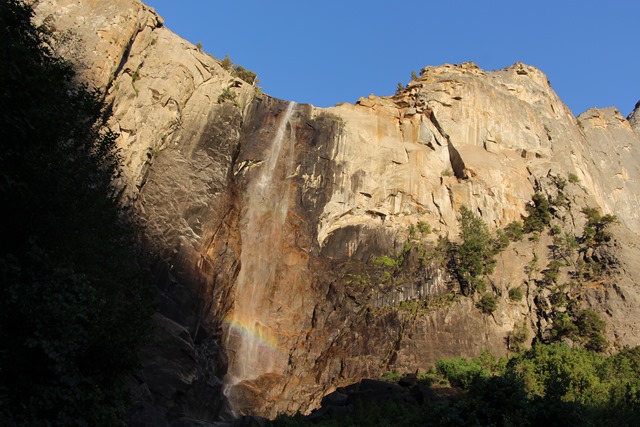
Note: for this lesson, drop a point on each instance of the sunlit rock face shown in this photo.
(611, 153)
(263, 217)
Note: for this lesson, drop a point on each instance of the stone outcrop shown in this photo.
(612, 145)
(634, 118)
(351, 181)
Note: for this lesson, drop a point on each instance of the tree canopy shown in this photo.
(548, 384)
(475, 256)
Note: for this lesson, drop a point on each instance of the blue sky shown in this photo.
(325, 52)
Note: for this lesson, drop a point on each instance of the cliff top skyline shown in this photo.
(331, 52)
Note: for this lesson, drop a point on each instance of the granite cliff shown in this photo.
(299, 249)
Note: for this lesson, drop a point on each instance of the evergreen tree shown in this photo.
(475, 256)
(539, 214)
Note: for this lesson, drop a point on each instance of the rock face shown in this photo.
(285, 235)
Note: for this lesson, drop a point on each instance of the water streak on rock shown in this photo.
(252, 342)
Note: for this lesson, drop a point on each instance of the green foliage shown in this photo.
(518, 337)
(476, 241)
(428, 304)
(573, 178)
(487, 303)
(358, 280)
(423, 227)
(385, 268)
(386, 262)
(246, 75)
(475, 256)
(532, 266)
(73, 305)
(414, 76)
(564, 246)
(199, 46)
(563, 326)
(441, 254)
(593, 214)
(226, 95)
(591, 329)
(595, 231)
(556, 372)
(411, 306)
(441, 301)
(226, 63)
(560, 297)
(237, 70)
(460, 372)
(584, 327)
(391, 376)
(413, 231)
(490, 364)
(514, 231)
(539, 214)
(552, 272)
(399, 88)
(516, 294)
(500, 242)
(545, 385)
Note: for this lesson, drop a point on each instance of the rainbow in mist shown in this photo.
(249, 330)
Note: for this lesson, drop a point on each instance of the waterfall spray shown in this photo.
(251, 340)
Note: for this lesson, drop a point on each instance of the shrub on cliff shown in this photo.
(487, 303)
(475, 255)
(516, 294)
(595, 231)
(238, 70)
(582, 326)
(514, 231)
(244, 74)
(539, 214)
(73, 304)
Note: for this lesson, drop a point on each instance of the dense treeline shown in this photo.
(74, 304)
(547, 385)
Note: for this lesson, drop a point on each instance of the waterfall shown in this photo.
(251, 340)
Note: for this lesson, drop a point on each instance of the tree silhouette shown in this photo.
(73, 302)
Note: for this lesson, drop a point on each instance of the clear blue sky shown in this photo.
(325, 52)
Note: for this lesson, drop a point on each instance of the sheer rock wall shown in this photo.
(193, 137)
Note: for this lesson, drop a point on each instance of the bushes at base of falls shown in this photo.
(549, 384)
(73, 302)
